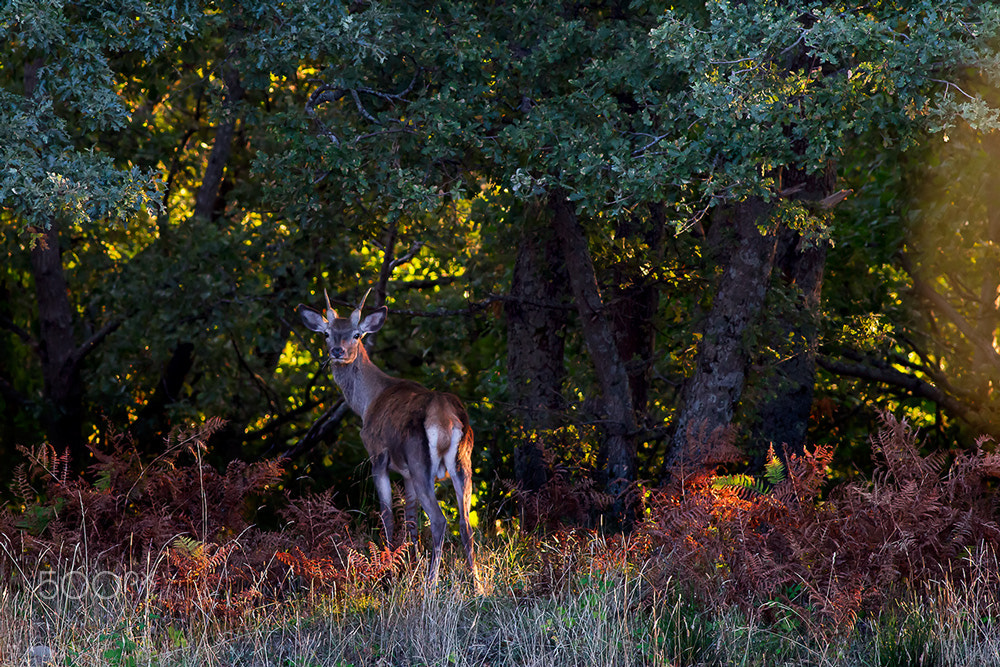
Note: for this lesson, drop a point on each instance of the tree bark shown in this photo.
(709, 397)
(620, 424)
(536, 320)
(57, 349)
(63, 389)
(783, 416)
(211, 184)
(635, 304)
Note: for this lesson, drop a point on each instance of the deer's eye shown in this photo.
(357, 336)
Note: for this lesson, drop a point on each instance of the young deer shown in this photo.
(421, 434)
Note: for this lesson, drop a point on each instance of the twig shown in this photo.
(411, 253)
(949, 84)
(656, 140)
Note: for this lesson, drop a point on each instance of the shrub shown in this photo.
(824, 559)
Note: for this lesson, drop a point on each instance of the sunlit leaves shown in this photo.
(874, 69)
(66, 93)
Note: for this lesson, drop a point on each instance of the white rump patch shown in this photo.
(443, 463)
(451, 456)
(434, 436)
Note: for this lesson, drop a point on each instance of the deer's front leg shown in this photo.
(380, 474)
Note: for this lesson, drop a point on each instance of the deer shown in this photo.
(423, 435)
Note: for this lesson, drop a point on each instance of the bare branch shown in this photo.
(653, 142)
(949, 84)
(322, 430)
(829, 202)
(88, 345)
(892, 377)
(361, 108)
(411, 253)
(319, 96)
(967, 330)
(332, 93)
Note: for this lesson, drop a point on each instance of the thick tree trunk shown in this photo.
(57, 348)
(635, 305)
(709, 397)
(783, 415)
(620, 427)
(536, 320)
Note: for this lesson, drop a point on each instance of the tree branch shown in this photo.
(265, 391)
(331, 93)
(218, 158)
(88, 345)
(322, 429)
(411, 253)
(967, 330)
(25, 337)
(319, 96)
(275, 424)
(913, 385)
(422, 284)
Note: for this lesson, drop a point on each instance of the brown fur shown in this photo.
(398, 416)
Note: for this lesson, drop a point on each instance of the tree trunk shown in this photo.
(620, 425)
(211, 184)
(152, 426)
(709, 397)
(57, 349)
(536, 320)
(635, 304)
(783, 415)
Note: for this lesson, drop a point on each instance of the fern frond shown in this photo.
(190, 547)
(774, 469)
(740, 482)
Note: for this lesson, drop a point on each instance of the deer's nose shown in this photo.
(336, 352)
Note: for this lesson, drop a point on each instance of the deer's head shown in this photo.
(343, 334)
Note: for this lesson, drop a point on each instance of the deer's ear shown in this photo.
(374, 321)
(313, 320)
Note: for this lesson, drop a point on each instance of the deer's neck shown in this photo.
(361, 382)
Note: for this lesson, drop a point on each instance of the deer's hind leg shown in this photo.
(411, 514)
(423, 487)
(460, 470)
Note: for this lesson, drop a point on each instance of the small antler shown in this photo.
(331, 314)
(356, 315)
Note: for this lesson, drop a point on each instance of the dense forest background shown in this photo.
(620, 232)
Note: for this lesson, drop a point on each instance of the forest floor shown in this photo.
(556, 601)
(780, 567)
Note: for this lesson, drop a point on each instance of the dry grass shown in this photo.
(582, 615)
(899, 570)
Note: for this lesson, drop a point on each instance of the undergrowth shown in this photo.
(146, 563)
